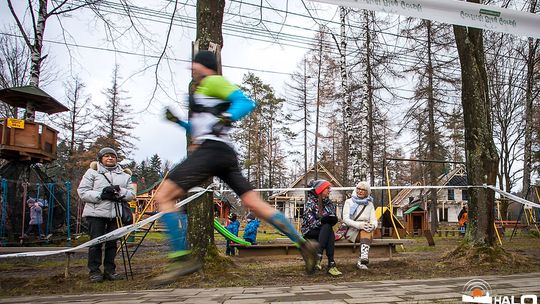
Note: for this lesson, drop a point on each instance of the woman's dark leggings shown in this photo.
(326, 238)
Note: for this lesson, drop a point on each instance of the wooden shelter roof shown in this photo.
(41, 101)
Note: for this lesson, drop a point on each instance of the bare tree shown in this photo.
(14, 68)
(76, 122)
(507, 78)
(40, 11)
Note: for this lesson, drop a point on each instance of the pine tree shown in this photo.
(433, 86)
(114, 120)
(261, 135)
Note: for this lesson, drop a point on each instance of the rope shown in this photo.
(4, 210)
(50, 213)
(25, 190)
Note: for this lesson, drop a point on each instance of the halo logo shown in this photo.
(476, 291)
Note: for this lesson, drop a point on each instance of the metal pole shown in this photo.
(68, 214)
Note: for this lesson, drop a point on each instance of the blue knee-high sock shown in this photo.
(281, 223)
(171, 220)
(183, 230)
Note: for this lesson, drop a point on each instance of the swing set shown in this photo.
(15, 212)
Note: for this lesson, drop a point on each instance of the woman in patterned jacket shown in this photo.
(317, 222)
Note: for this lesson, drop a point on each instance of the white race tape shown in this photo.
(515, 198)
(372, 188)
(455, 12)
(113, 235)
(127, 229)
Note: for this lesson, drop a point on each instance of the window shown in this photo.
(464, 195)
(451, 194)
(443, 214)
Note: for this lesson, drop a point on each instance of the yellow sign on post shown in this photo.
(15, 123)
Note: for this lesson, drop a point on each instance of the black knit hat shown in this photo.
(206, 58)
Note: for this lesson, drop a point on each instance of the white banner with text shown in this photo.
(481, 16)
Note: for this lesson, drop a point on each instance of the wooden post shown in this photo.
(68, 260)
(429, 237)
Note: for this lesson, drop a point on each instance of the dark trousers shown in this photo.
(326, 238)
(99, 226)
(230, 250)
(34, 227)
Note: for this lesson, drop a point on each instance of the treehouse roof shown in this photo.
(42, 102)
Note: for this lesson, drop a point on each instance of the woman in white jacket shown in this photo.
(102, 187)
(359, 215)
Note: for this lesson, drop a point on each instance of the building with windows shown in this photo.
(291, 202)
(449, 201)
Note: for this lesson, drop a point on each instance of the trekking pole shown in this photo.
(122, 244)
(142, 214)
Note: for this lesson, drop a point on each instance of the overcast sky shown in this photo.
(93, 60)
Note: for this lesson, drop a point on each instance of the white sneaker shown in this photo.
(361, 266)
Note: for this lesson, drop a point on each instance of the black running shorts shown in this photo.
(212, 158)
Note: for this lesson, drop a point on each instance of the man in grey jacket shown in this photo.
(101, 189)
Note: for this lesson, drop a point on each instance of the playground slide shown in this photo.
(228, 235)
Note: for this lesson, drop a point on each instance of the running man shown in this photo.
(215, 104)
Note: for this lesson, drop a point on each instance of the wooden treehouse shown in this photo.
(24, 139)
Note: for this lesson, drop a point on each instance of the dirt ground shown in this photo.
(45, 275)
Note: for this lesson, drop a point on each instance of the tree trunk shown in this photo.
(36, 49)
(201, 211)
(305, 127)
(481, 154)
(317, 111)
(433, 167)
(347, 102)
(369, 160)
(358, 151)
(527, 153)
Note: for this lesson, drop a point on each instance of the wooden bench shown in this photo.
(447, 232)
(7, 250)
(379, 248)
(510, 224)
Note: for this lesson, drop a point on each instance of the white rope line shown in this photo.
(113, 235)
(200, 191)
(352, 188)
(514, 198)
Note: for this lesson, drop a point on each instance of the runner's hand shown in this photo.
(170, 116)
(224, 120)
